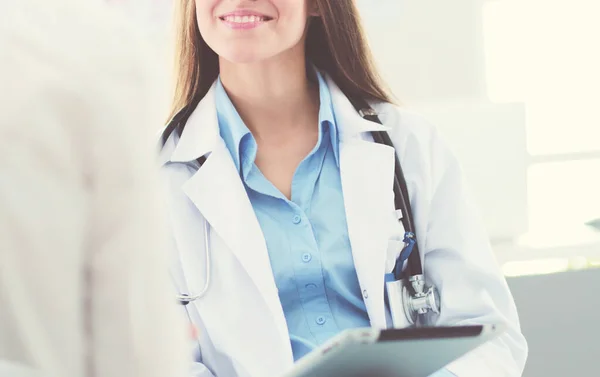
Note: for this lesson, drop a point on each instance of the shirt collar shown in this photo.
(231, 126)
(201, 133)
(234, 131)
(327, 115)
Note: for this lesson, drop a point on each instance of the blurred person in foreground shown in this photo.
(83, 286)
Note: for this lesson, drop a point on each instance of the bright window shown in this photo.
(545, 54)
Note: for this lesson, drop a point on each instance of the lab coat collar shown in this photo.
(201, 133)
(350, 123)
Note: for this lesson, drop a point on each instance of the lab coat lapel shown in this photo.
(220, 196)
(367, 181)
(367, 173)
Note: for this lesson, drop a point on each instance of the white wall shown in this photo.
(432, 55)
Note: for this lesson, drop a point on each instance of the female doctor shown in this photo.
(294, 199)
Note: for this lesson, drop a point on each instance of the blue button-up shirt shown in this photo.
(307, 236)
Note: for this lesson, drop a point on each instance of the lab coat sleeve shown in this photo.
(458, 259)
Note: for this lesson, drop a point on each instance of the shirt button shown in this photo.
(306, 257)
(320, 320)
(297, 219)
(365, 294)
(310, 286)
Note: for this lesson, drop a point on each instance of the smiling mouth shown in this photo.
(253, 19)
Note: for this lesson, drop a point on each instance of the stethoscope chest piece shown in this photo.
(409, 298)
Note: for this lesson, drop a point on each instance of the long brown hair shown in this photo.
(335, 44)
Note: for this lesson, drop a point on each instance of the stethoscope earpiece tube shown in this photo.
(402, 201)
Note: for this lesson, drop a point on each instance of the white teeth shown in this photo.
(243, 19)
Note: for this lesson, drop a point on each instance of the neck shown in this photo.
(272, 97)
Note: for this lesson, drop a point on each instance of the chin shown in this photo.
(242, 55)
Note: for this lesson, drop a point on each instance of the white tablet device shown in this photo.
(410, 352)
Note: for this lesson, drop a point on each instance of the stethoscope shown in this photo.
(408, 295)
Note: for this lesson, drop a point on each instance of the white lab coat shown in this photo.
(83, 285)
(242, 326)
